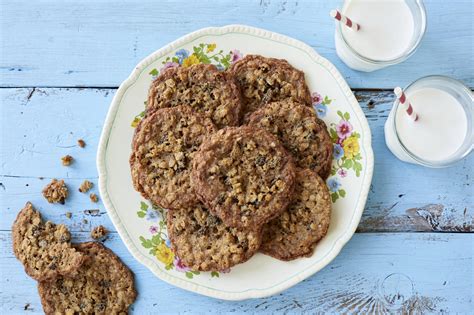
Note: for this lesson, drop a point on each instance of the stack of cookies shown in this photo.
(239, 158)
(85, 278)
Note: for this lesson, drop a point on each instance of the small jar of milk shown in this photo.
(388, 32)
(443, 132)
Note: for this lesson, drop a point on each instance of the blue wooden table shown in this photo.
(61, 64)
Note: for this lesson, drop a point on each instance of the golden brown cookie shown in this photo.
(243, 175)
(164, 145)
(297, 230)
(104, 285)
(203, 242)
(202, 87)
(262, 80)
(43, 248)
(300, 131)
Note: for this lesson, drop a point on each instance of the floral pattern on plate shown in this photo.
(346, 148)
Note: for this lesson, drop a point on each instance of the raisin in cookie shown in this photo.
(203, 242)
(203, 88)
(301, 132)
(104, 285)
(262, 80)
(43, 248)
(244, 176)
(163, 148)
(295, 233)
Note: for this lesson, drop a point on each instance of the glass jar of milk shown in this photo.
(444, 131)
(390, 32)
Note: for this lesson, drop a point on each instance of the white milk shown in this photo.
(386, 36)
(386, 28)
(441, 128)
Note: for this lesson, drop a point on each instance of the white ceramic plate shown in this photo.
(141, 227)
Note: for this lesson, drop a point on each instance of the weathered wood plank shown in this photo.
(409, 273)
(98, 43)
(403, 197)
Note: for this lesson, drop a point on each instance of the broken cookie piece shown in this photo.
(94, 197)
(44, 248)
(81, 143)
(99, 232)
(104, 285)
(67, 160)
(85, 186)
(56, 191)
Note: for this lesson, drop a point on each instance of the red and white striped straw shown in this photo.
(344, 19)
(403, 100)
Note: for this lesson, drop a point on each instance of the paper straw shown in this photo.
(403, 100)
(345, 20)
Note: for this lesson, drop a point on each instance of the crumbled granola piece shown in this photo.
(68, 215)
(99, 232)
(56, 191)
(93, 197)
(85, 186)
(67, 160)
(81, 143)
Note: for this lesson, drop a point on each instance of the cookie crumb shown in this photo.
(56, 191)
(85, 221)
(27, 306)
(85, 186)
(68, 215)
(99, 232)
(81, 143)
(93, 197)
(67, 160)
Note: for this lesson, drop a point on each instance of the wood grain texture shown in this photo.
(376, 273)
(403, 197)
(98, 43)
